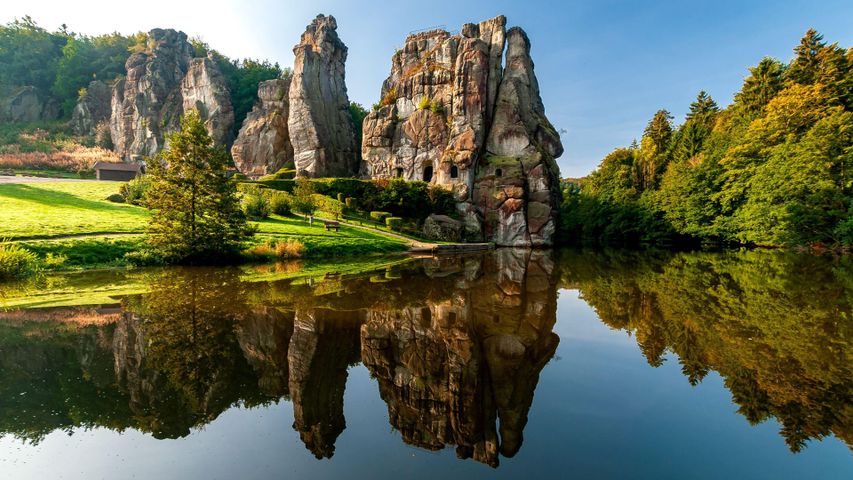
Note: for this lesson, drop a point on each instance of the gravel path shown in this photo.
(22, 179)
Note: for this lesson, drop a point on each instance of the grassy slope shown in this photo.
(44, 213)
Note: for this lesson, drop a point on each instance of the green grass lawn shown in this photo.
(44, 216)
(52, 209)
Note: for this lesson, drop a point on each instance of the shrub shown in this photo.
(134, 190)
(329, 205)
(17, 262)
(436, 107)
(389, 98)
(341, 197)
(290, 248)
(394, 223)
(423, 103)
(262, 252)
(349, 202)
(380, 216)
(115, 198)
(280, 202)
(282, 174)
(256, 206)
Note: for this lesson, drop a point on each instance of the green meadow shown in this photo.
(73, 220)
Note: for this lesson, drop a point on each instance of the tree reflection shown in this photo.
(776, 326)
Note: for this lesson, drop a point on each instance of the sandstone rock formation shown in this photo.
(320, 125)
(452, 115)
(161, 84)
(25, 104)
(92, 109)
(263, 144)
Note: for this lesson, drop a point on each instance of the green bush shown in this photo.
(17, 262)
(394, 223)
(115, 198)
(280, 202)
(380, 216)
(349, 202)
(341, 197)
(134, 190)
(329, 205)
(281, 185)
(256, 206)
(282, 174)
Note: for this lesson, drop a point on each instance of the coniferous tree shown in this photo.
(196, 212)
(763, 83)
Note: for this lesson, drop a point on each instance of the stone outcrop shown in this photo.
(162, 83)
(443, 228)
(320, 125)
(25, 104)
(263, 144)
(93, 108)
(453, 115)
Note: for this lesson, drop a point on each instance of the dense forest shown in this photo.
(61, 64)
(773, 168)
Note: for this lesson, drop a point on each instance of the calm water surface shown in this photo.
(507, 365)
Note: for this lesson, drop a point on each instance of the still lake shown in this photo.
(512, 364)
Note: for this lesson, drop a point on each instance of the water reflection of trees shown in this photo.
(456, 345)
(776, 326)
(202, 341)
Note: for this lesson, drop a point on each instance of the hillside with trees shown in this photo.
(771, 169)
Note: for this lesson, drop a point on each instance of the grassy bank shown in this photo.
(73, 220)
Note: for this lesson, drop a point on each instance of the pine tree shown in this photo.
(703, 107)
(804, 68)
(196, 212)
(762, 84)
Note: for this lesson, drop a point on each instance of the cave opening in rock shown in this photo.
(454, 172)
(499, 172)
(399, 172)
(428, 173)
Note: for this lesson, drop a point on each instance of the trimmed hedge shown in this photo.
(394, 223)
(380, 216)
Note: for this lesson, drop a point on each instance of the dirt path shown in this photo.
(6, 179)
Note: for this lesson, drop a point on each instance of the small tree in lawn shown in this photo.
(303, 198)
(196, 212)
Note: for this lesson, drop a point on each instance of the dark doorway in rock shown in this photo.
(399, 172)
(428, 173)
(454, 172)
(499, 172)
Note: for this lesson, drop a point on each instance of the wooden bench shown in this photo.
(331, 225)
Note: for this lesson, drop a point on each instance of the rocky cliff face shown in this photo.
(320, 125)
(25, 104)
(263, 144)
(92, 109)
(161, 84)
(453, 115)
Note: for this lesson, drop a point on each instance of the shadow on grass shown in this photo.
(52, 198)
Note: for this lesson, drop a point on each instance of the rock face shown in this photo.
(452, 115)
(443, 228)
(161, 84)
(320, 125)
(24, 104)
(92, 109)
(263, 144)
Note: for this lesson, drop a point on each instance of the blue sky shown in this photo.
(604, 67)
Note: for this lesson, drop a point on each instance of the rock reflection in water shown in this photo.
(456, 346)
(449, 369)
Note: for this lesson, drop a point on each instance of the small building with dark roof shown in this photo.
(121, 172)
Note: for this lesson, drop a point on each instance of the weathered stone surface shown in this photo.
(92, 109)
(204, 89)
(263, 144)
(452, 115)
(523, 143)
(25, 104)
(443, 228)
(161, 84)
(320, 125)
